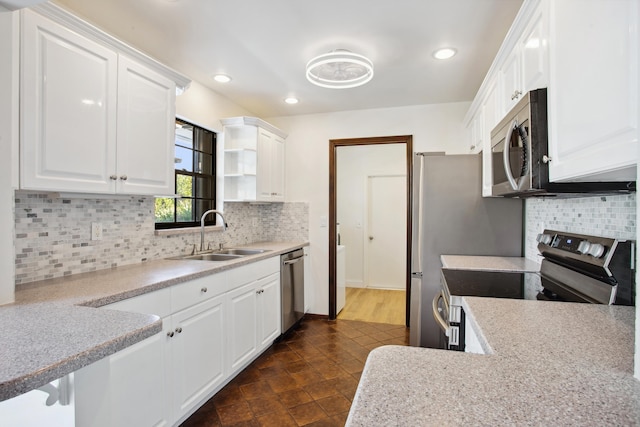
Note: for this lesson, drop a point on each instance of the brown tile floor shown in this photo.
(307, 379)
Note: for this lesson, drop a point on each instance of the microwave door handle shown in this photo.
(436, 314)
(505, 155)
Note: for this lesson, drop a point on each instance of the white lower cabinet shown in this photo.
(197, 365)
(213, 327)
(254, 320)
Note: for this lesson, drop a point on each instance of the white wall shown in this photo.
(354, 165)
(434, 128)
(9, 147)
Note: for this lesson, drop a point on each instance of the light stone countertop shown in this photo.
(489, 263)
(53, 328)
(550, 363)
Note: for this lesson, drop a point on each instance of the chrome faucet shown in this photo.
(204, 215)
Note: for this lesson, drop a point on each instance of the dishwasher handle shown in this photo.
(437, 315)
(291, 261)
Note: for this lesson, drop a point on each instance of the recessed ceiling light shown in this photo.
(291, 100)
(445, 53)
(222, 78)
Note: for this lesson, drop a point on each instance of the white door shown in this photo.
(387, 227)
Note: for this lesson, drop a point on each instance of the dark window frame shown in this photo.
(197, 178)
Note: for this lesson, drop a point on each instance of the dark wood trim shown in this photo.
(333, 213)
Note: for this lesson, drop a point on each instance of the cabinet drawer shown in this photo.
(198, 290)
(156, 302)
(249, 273)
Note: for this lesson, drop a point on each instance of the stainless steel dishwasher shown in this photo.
(292, 288)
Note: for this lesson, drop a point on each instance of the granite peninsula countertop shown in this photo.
(548, 363)
(490, 263)
(53, 327)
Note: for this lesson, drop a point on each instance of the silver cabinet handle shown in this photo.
(436, 314)
(124, 177)
(179, 329)
(113, 177)
(170, 334)
(204, 290)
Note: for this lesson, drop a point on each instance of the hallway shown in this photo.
(374, 305)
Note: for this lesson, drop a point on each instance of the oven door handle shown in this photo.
(505, 156)
(436, 313)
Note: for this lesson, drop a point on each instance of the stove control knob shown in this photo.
(545, 239)
(583, 247)
(596, 250)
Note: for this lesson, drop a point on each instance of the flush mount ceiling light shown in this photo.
(444, 53)
(291, 100)
(339, 69)
(222, 78)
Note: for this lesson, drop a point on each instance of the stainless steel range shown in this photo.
(575, 268)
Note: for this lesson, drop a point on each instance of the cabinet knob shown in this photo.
(204, 289)
(123, 177)
(113, 177)
(170, 334)
(179, 329)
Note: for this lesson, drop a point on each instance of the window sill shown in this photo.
(187, 230)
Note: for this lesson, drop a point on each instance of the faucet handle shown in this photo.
(193, 251)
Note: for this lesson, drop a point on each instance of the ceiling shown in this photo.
(265, 45)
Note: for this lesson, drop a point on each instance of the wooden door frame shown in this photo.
(333, 212)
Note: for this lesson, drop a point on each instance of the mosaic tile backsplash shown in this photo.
(53, 235)
(607, 216)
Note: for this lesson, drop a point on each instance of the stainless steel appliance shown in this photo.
(450, 216)
(575, 268)
(520, 158)
(292, 288)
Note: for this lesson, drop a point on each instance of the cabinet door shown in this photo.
(593, 89)
(490, 119)
(511, 81)
(198, 353)
(139, 394)
(263, 168)
(534, 54)
(146, 129)
(242, 318)
(68, 110)
(277, 169)
(269, 319)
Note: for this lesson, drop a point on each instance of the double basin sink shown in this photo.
(222, 255)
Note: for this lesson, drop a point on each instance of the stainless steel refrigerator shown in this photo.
(450, 217)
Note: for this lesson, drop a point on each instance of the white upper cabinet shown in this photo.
(593, 90)
(68, 109)
(95, 115)
(586, 53)
(254, 154)
(146, 127)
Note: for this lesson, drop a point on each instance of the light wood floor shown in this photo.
(374, 305)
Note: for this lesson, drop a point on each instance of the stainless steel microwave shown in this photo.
(519, 148)
(520, 158)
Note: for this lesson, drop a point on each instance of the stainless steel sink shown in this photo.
(242, 252)
(221, 255)
(208, 257)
